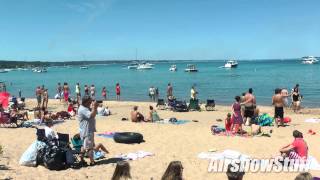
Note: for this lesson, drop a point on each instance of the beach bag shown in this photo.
(29, 157)
(265, 120)
(55, 158)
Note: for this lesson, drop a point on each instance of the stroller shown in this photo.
(180, 106)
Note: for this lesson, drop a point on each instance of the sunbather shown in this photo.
(122, 171)
(152, 115)
(136, 116)
(298, 149)
(174, 171)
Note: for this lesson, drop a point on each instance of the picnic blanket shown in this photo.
(312, 120)
(107, 134)
(135, 155)
(232, 154)
(178, 122)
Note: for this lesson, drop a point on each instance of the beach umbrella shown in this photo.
(4, 99)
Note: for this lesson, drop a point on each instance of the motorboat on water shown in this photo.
(39, 70)
(231, 64)
(191, 68)
(133, 66)
(145, 66)
(173, 68)
(84, 67)
(309, 60)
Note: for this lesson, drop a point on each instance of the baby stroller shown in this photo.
(180, 106)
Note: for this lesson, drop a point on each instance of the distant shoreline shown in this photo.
(30, 64)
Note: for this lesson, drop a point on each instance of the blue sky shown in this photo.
(61, 30)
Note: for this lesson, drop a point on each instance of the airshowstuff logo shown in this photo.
(279, 164)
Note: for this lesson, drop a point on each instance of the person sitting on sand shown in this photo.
(298, 149)
(228, 123)
(50, 134)
(103, 111)
(278, 102)
(122, 171)
(174, 171)
(236, 116)
(136, 116)
(153, 115)
(234, 175)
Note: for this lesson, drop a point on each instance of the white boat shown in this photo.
(84, 67)
(231, 64)
(133, 66)
(191, 68)
(145, 66)
(3, 71)
(173, 68)
(22, 69)
(309, 60)
(39, 70)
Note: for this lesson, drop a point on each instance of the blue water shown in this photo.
(211, 81)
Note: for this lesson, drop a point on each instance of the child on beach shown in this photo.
(228, 123)
(122, 171)
(174, 171)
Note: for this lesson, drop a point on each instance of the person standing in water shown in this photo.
(59, 91)
(169, 90)
(278, 102)
(104, 93)
(86, 90)
(78, 92)
(92, 92)
(38, 96)
(118, 91)
(66, 91)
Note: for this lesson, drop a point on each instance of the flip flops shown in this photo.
(311, 132)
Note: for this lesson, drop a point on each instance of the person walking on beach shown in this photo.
(86, 90)
(59, 91)
(78, 92)
(104, 93)
(249, 106)
(66, 91)
(92, 91)
(118, 91)
(169, 91)
(87, 123)
(278, 102)
(38, 96)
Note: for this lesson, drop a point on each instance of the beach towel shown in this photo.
(265, 120)
(135, 155)
(107, 134)
(312, 120)
(177, 122)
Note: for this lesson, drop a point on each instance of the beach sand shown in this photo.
(168, 142)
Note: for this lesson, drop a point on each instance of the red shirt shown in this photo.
(228, 124)
(300, 147)
(118, 89)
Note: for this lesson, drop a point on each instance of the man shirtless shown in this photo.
(249, 104)
(279, 103)
(136, 116)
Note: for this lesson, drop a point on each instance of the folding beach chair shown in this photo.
(210, 105)
(161, 104)
(194, 105)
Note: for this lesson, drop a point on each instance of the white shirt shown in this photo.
(50, 134)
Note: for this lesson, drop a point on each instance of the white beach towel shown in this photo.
(312, 120)
(135, 155)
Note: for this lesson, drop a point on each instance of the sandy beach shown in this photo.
(168, 142)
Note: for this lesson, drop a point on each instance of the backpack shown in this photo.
(55, 158)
